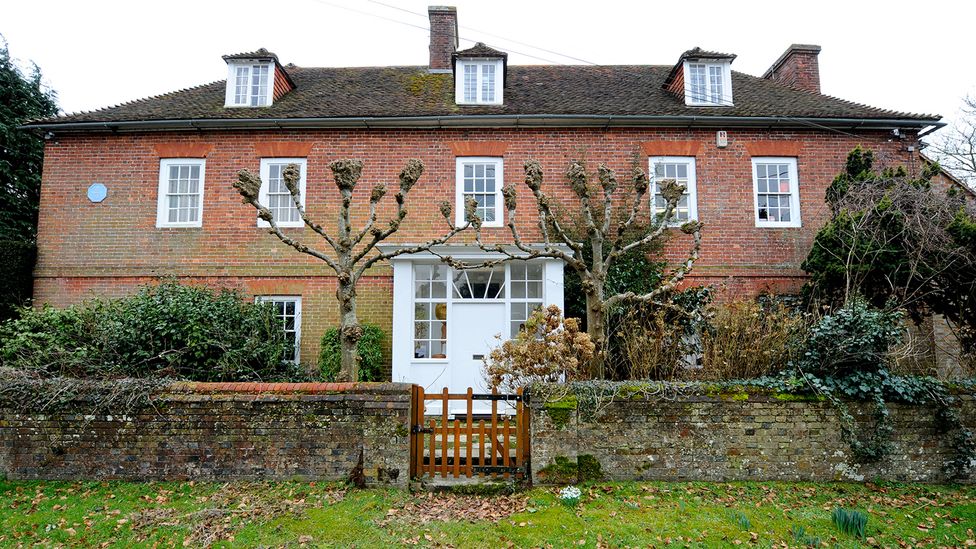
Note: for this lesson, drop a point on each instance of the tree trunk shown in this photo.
(350, 331)
(596, 327)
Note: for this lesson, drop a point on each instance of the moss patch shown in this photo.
(561, 411)
(564, 470)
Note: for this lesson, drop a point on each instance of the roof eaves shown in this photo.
(501, 120)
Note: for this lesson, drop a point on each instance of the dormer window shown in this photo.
(708, 84)
(479, 81)
(479, 76)
(251, 87)
(255, 79)
(704, 78)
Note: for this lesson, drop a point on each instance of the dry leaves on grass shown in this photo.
(449, 507)
(224, 511)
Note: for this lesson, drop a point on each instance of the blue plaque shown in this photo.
(97, 192)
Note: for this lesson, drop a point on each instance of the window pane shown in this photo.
(534, 270)
(488, 82)
(421, 349)
(470, 83)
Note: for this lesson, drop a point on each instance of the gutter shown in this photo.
(486, 121)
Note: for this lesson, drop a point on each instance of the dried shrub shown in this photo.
(749, 339)
(652, 341)
(648, 345)
(549, 349)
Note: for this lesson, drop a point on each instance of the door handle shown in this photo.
(478, 357)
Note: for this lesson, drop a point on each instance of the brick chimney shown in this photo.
(797, 68)
(443, 37)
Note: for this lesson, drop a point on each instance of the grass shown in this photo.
(296, 514)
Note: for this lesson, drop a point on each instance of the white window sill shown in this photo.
(777, 225)
(179, 226)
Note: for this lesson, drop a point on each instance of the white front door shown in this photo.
(475, 328)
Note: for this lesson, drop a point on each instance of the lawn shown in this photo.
(302, 514)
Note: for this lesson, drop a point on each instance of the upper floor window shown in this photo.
(289, 312)
(275, 194)
(682, 170)
(776, 192)
(180, 199)
(708, 84)
(480, 178)
(479, 81)
(249, 85)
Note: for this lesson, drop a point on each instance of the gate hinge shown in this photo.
(416, 429)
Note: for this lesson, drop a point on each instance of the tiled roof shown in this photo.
(698, 53)
(260, 53)
(480, 50)
(617, 90)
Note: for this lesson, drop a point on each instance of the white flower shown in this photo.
(570, 492)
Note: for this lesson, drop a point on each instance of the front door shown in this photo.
(476, 325)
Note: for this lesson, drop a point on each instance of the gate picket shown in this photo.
(456, 448)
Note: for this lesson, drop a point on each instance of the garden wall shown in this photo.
(734, 436)
(218, 431)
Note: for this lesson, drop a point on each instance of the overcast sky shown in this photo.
(899, 55)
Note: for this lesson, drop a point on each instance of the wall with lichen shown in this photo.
(752, 435)
(217, 431)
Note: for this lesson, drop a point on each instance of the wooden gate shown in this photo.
(468, 444)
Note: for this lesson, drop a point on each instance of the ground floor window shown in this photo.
(527, 293)
(289, 311)
(430, 311)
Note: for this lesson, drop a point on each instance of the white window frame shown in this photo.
(707, 101)
(162, 204)
(297, 300)
(266, 187)
(479, 62)
(499, 183)
(230, 97)
(794, 191)
(691, 189)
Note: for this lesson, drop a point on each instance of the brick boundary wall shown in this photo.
(220, 431)
(742, 436)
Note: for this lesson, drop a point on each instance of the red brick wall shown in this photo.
(109, 248)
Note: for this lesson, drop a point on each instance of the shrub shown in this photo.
(654, 342)
(370, 348)
(549, 349)
(749, 339)
(169, 330)
(856, 338)
(16, 277)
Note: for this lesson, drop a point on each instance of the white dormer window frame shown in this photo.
(250, 84)
(479, 81)
(708, 83)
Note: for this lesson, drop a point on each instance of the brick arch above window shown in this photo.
(283, 149)
(478, 148)
(180, 149)
(671, 148)
(774, 148)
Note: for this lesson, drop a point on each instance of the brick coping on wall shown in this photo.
(199, 387)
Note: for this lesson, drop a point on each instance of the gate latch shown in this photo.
(416, 429)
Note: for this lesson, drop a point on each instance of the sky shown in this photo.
(96, 53)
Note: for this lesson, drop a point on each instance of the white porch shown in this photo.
(446, 321)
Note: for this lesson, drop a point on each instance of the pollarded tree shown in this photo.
(610, 234)
(350, 253)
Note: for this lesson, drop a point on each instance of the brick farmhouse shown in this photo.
(139, 191)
